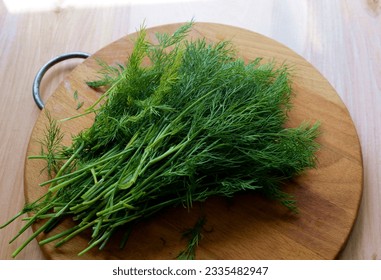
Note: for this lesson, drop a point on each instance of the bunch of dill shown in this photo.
(196, 122)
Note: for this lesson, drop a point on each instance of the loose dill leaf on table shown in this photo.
(196, 122)
(79, 105)
(75, 95)
(193, 236)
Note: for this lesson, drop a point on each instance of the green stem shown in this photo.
(12, 219)
(73, 234)
(30, 238)
(59, 235)
(31, 221)
(76, 116)
(67, 163)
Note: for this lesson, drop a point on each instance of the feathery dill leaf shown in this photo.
(51, 148)
(194, 236)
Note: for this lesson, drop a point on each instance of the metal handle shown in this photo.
(49, 64)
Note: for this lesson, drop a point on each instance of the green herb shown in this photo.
(51, 148)
(79, 105)
(75, 95)
(194, 235)
(196, 122)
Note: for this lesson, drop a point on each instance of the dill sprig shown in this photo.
(196, 122)
(193, 236)
(51, 146)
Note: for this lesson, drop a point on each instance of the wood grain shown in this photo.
(248, 227)
(339, 38)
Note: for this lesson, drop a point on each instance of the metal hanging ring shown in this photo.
(40, 74)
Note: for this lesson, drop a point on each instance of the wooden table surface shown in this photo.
(342, 39)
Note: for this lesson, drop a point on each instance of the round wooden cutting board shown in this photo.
(247, 226)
